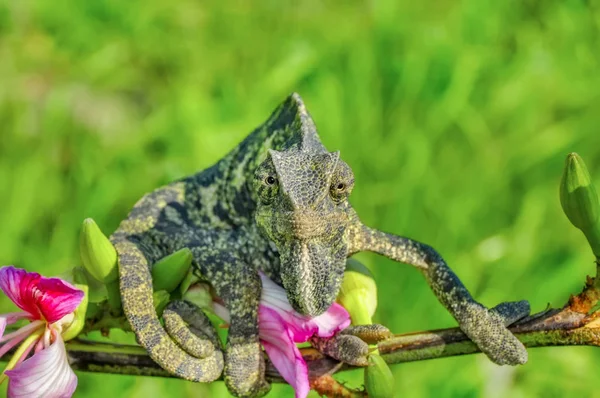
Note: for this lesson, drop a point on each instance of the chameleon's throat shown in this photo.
(312, 274)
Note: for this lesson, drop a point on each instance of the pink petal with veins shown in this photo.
(280, 327)
(281, 349)
(302, 327)
(49, 299)
(333, 320)
(46, 374)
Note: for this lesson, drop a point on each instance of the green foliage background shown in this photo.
(456, 117)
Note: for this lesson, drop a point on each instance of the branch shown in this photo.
(574, 324)
(552, 327)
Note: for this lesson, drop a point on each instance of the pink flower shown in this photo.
(49, 305)
(280, 328)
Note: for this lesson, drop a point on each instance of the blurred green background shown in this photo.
(455, 116)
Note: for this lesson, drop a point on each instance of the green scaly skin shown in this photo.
(277, 203)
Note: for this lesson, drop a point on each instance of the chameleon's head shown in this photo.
(302, 206)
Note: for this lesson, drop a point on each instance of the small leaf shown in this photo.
(171, 270)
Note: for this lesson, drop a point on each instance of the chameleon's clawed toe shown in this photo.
(370, 334)
(343, 347)
(191, 329)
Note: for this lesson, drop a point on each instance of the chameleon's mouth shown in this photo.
(312, 275)
(302, 224)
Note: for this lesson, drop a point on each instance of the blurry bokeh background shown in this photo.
(455, 116)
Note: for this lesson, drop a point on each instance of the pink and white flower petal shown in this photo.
(333, 320)
(43, 298)
(46, 374)
(302, 327)
(279, 344)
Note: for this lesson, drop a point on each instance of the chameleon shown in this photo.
(278, 203)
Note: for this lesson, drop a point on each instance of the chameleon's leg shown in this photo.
(486, 328)
(239, 286)
(136, 294)
(191, 329)
(351, 344)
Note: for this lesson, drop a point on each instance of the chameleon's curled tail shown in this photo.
(136, 294)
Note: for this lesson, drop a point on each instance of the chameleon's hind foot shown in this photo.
(487, 329)
(370, 334)
(244, 372)
(343, 347)
(191, 329)
(351, 345)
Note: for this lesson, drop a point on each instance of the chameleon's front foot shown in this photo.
(245, 369)
(351, 345)
(487, 329)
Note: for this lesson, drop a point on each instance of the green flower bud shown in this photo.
(161, 298)
(579, 200)
(170, 271)
(358, 294)
(98, 254)
(79, 316)
(379, 381)
(96, 290)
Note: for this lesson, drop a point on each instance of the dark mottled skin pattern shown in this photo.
(277, 203)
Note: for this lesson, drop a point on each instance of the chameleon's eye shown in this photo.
(342, 183)
(340, 190)
(266, 186)
(270, 180)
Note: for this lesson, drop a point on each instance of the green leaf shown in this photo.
(171, 270)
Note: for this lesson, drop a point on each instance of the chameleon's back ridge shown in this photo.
(278, 203)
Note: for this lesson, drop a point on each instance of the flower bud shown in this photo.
(579, 199)
(379, 381)
(79, 316)
(358, 294)
(169, 271)
(98, 254)
(96, 289)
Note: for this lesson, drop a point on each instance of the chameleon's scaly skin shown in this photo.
(278, 203)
